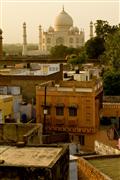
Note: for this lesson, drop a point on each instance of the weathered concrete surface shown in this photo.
(12, 133)
(30, 156)
(88, 172)
(40, 162)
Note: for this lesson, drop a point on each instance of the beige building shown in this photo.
(63, 33)
(6, 107)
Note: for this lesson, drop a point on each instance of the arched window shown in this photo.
(48, 40)
(71, 40)
(59, 41)
(77, 40)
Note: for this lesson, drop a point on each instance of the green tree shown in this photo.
(95, 47)
(78, 60)
(111, 83)
(102, 28)
(71, 50)
(58, 51)
(63, 51)
(111, 55)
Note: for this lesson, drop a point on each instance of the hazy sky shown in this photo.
(34, 13)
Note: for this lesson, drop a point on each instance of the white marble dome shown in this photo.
(63, 21)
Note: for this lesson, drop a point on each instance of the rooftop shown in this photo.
(71, 86)
(36, 69)
(13, 133)
(109, 166)
(29, 156)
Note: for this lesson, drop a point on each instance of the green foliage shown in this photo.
(95, 47)
(98, 47)
(62, 51)
(102, 29)
(111, 56)
(111, 83)
(77, 59)
(58, 51)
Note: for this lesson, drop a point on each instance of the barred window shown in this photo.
(71, 40)
(59, 111)
(72, 111)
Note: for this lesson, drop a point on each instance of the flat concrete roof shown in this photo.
(29, 156)
(109, 166)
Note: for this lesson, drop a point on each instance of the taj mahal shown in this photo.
(63, 33)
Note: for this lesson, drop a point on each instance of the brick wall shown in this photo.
(87, 171)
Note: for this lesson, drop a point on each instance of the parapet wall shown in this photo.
(12, 133)
(87, 171)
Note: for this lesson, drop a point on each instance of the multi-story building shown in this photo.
(70, 106)
(26, 79)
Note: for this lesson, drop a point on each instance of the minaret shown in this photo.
(24, 51)
(1, 45)
(63, 8)
(40, 38)
(91, 29)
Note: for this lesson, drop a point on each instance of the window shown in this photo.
(59, 111)
(71, 40)
(72, 111)
(48, 40)
(59, 41)
(77, 40)
(82, 139)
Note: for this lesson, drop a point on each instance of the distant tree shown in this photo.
(78, 60)
(58, 51)
(71, 50)
(111, 83)
(95, 47)
(102, 28)
(63, 51)
(16, 49)
(111, 55)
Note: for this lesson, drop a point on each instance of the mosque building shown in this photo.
(63, 33)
